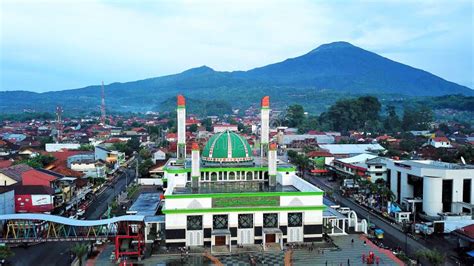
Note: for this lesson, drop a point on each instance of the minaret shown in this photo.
(181, 121)
(272, 165)
(195, 166)
(265, 125)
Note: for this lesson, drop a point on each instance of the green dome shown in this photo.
(227, 147)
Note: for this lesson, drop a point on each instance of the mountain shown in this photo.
(319, 77)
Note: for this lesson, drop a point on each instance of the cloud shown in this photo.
(50, 45)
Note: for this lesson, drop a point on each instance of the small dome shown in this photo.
(227, 147)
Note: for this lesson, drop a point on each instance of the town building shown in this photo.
(225, 196)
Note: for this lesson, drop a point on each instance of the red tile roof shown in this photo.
(467, 231)
(35, 177)
(5, 163)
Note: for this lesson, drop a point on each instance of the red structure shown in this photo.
(129, 241)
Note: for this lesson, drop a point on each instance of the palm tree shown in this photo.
(80, 250)
(5, 252)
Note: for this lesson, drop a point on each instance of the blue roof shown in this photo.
(470, 253)
(68, 221)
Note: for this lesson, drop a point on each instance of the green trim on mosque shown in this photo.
(249, 194)
(246, 209)
(181, 107)
(229, 169)
(265, 108)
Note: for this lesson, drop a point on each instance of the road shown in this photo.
(392, 236)
(58, 253)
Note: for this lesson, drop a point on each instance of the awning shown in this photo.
(319, 171)
(272, 231)
(220, 232)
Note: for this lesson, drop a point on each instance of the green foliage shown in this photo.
(119, 123)
(144, 167)
(417, 118)
(80, 250)
(353, 114)
(294, 115)
(392, 122)
(301, 161)
(5, 252)
(38, 161)
(86, 147)
(309, 123)
(207, 123)
(193, 128)
(434, 257)
(145, 153)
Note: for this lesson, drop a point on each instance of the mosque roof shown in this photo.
(227, 147)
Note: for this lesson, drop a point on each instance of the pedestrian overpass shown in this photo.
(38, 228)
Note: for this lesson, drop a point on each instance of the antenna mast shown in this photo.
(102, 106)
(59, 123)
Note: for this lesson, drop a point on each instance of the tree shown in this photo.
(392, 122)
(5, 252)
(295, 115)
(145, 153)
(80, 250)
(207, 123)
(38, 161)
(119, 123)
(86, 147)
(434, 257)
(310, 123)
(144, 167)
(193, 128)
(417, 118)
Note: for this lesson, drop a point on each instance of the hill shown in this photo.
(315, 80)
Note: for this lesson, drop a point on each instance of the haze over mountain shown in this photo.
(332, 70)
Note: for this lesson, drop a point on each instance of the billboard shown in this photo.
(37, 200)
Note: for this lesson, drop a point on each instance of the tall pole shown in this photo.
(102, 106)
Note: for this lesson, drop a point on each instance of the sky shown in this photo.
(56, 45)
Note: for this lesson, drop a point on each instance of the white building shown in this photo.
(433, 187)
(349, 150)
(228, 197)
(439, 142)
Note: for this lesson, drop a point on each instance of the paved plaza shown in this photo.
(301, 256)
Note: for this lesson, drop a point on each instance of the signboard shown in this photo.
(256, 201)
(41, 200)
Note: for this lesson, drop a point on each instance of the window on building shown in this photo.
(447, 195)
(378, 174)
(270, 220)
(194, 222)
(399, 186)
(378, 167)
(295, 219)
(246, 220)
(220, 221)
(466, 190)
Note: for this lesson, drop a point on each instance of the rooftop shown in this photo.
(146, 204)
(436, 165)
(233, 187)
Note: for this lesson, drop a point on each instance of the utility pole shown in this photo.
(59, 112)
(102, 106)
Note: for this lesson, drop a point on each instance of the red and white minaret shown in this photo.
(195, 165)
(181, 121)
(272, 164)
(265, 125)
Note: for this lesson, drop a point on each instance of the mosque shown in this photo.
(224, 196)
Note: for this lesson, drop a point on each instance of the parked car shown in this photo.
(344, 210)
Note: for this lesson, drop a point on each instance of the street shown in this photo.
(392, 236)
(58, 253)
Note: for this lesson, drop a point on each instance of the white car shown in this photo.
(344, 210)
